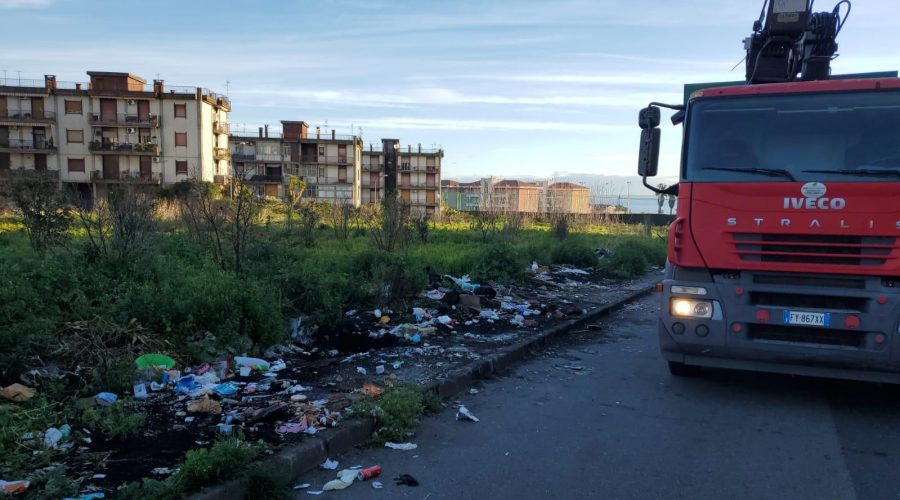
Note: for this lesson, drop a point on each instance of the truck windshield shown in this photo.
(842, 137)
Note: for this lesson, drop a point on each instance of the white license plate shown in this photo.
(807, 318)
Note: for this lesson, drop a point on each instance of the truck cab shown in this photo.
(785, 252)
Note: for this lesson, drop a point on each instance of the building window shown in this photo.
(181, 167)
(76, 164)
(181, 111)
(73, 107)
(181, 139)
(321, 150)
(75, 136)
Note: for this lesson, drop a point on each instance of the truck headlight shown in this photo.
(690, 308)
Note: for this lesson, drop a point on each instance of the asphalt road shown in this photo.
(622, 427)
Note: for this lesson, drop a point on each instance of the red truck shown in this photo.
(785, 252)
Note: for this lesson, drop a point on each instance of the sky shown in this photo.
(507, 87)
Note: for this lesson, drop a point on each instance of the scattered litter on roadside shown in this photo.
(473, 391)
(17, 393)
(14, 487)
(369, 473)
(106, 398)
(572, 367)
(161, 471)
(401, 446)
(372, 390)
(292, 428)
(302, 486)
(140, 391)
(98, 476)
(330, 464)
(405, 480)
(52, 436)
(314, 492)
(377, 485)
(254, 363)
(360, 370)
(88, 496)
(345, 479)
(154, 361)
(205, 405)
(464, 412)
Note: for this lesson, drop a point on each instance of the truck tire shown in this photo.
(682, 370)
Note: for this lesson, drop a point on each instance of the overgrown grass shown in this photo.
(396, 412)
(227, 459)
(117, 421)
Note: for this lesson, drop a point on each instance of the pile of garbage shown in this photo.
(451, 305)
(304, 387)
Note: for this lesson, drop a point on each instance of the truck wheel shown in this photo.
(682, 370)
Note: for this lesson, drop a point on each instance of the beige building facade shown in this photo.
(517, 196)
(113, 129)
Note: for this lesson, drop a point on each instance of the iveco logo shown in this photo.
(814, 199)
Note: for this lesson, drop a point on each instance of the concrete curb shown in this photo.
(307, 455)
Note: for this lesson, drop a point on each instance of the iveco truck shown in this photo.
(785, 252)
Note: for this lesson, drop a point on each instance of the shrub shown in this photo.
(499, 262)
(574, 252)
(226, 459)
(632, 256)
(396, 413)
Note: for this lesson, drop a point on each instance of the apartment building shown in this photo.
(337, 168)
(516, 196)
(416, 175)
(113, 129)
(462, 196)
(328, 162)
(567, 197)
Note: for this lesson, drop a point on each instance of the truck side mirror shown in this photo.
(648, 117)
(648, 160)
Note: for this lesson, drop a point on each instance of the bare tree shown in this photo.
(390, 230)
(488, 217)
(341, 217)
(42, 205)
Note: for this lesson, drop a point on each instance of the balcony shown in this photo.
(265, 179)
(27, 145)
(327, 160)
(221, 128)
(124, 148)
(26, 118)
(126, 178)
(125, 120)
(221, 154)
(243, 157)
(216, 99)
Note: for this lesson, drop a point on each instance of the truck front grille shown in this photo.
(814, 249)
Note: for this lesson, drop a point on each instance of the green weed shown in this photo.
(116, 421)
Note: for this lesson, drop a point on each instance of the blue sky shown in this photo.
(509, 88)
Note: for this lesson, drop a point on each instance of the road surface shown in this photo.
(598, 416)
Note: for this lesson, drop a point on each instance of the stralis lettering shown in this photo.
(812, 223)
(815, 203)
